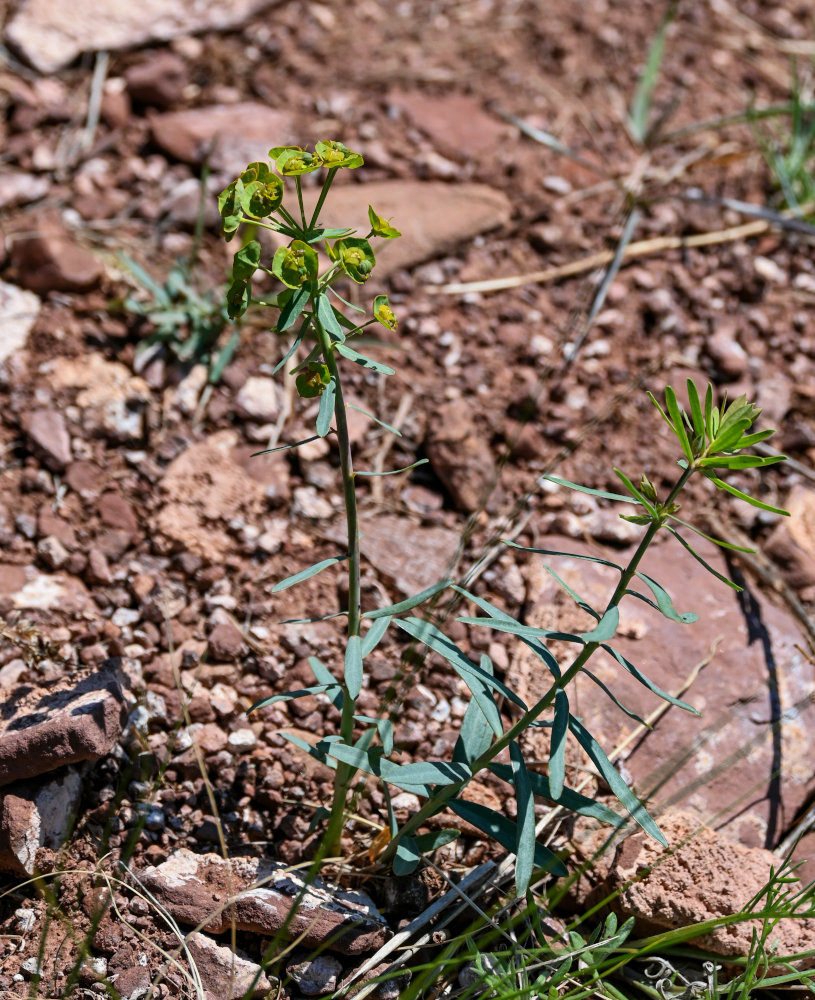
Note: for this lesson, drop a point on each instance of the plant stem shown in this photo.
(345, 773)
(436, 802)
(321, 199)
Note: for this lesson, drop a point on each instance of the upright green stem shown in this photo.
(432, 806)
(345, 773)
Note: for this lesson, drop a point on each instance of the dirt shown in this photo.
(133, 519)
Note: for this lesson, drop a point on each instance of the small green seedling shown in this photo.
(713, 440)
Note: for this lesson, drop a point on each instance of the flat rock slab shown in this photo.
(408, 556)
(70, 720)
(702, 876)
(18, 311)
(434, 218)
(258, 896)
(34, 815)
(49, 40)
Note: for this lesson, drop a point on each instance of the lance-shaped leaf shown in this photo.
(627, 798)
(373, 636)
(409, 602)
(407, 856)
(328, 318)
(613, 697)
(475, 735)
(305, 574)
(740, 461)
(376, 419)
(394, 472)
(581, 489)
(568, 798)
(722, 485)
(385, 729)
(473, 676)
(503, 830)
(712, 538)
(326, 411)
(663, 601)
(353, 666)
(696, 409)
(324, 676)
(318, 751)
(294, 306)
(579, 601)
(516, 628)
(525, 824)
(291, 695)
(360, 359)
(286, 447)
(654, 688)
(557, 744)
(699, 559)
(606, 627)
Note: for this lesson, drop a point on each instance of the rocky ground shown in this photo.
(141, 540)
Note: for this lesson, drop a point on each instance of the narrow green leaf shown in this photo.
(475, 677)
(644, 94)
(525, 824)
(381, 423)
(475, 736)
(678, 422)
(353, 666)
(407, 856)
(324, 676)
(285, 447)
(569, 555)
(314, 618)
(711, 421)
(292, 309)
(627, 798)
(582, 489)
(654, 688)
(663, 414)
(752, 439)
(361, 759)
(557, 744)
(427, 842)
(664, 602)
(360, 359)
(711, 538)
(426, 772)
(318, 752)
(291, 695)
(305, 574)
(740, 461)
(641, 498)
(573, 594)
(327, 318)
(699, 559)
(503, 830)
(326, 411)
(695, 409)
(606, 627)
(385, 729)
(569, 799)
(409, 602)
(395, 472)
(516, 628)
(722, 485)
(613, 697)
(373, 636)
(730, 435)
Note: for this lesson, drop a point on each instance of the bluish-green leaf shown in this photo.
(525, 823)
(503, 830)
(373, 636)
(328, 319)
(516, 628)
(613, 697)
(326, 411)
(285, 447)
(699, 559)
(353, 666)
(569, 555)
(407, 856)
(360, 359)
(305, 574)
(579, 601)
(627, 798)
(472, 675)
(394, 472)
(291, 695)
(568, 798)
(292, 348)
(385, 729)
(664, 602)
(711, 538)
(361, 759)
(722, 485)
(557, 744)
(427, 842)
(409, 602)
(606, 627)
(318, 752)
(381, 423)
(475, 736)
(292, 309)
(324, 676)
(581, 489)
(654, 688)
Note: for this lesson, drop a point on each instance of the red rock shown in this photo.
(34, 815)
(159, 80)
(50, 523)
(48, 259)
(225, 642)
(48, 437)
(63, 722)
(258, 895)
(86, 479)
(460, 456)
(225, 975)
(116, 512)
(419, 559)
(98, 570)
(457, 123)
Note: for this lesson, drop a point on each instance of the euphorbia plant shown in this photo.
(712, 438)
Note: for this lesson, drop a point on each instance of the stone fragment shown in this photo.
(225, 643)
(48, 437)
(457, 123)
(111, 398)
(408, 556)
(34, 815)
(226, 975)
(116, 512)
(792, 542)
(20, 188)
(46, 258)
(46, 591)
(744, 738)
(460, 456)
(259, 399)
(18, 311)
(50, 523)
(434, 218)
(72, 719)
(316, 976)
(701, 876)
(228, 136)
(98, 570)
(49, 40)
(159, 80)
(728, 354)
(53, 552)
(258, 896)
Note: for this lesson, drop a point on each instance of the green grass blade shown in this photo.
(306, 574)
(627, 798)
(644, 94)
